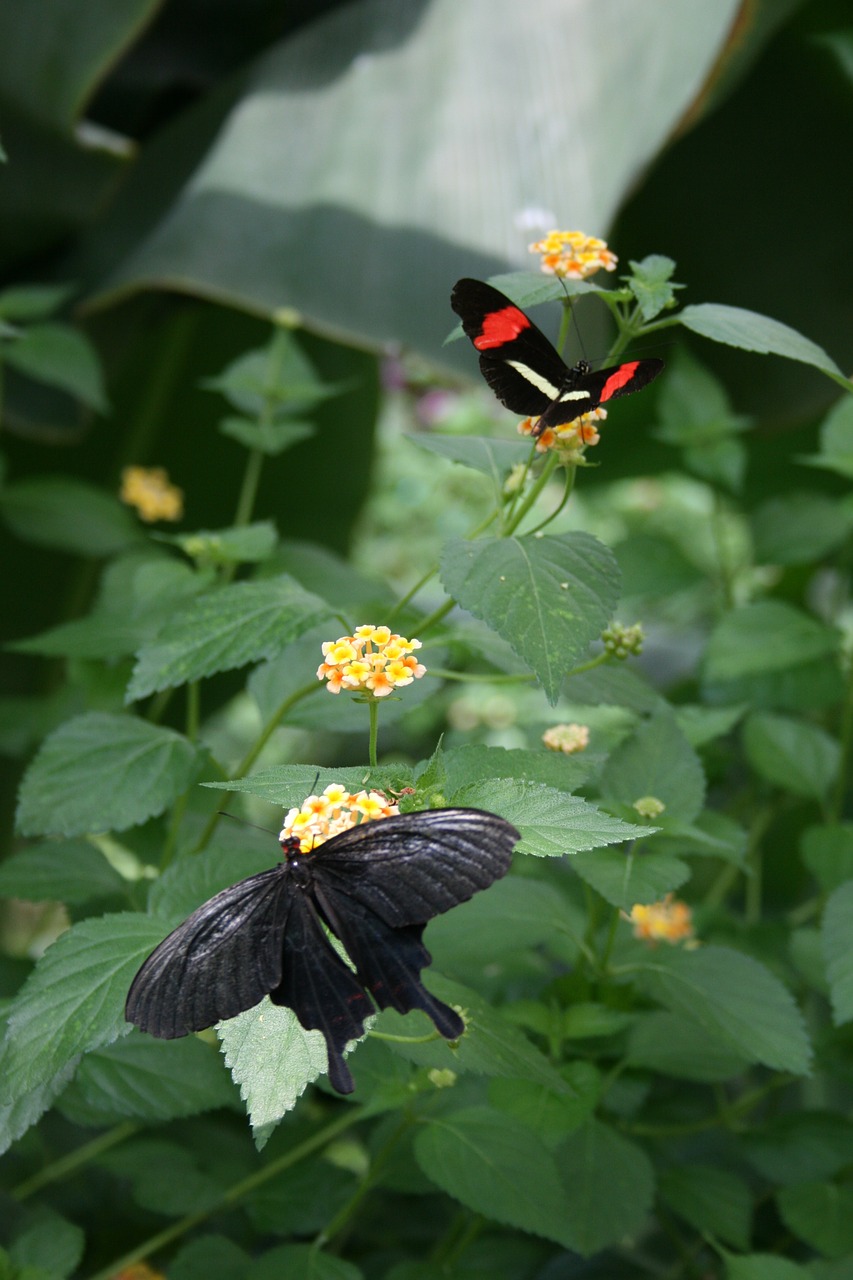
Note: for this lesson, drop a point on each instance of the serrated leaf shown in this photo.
(68, 515)
(733, 997)
(548, 597)
(61, 357)
(821, 1214)
(70, 871)
(74, 999)
(475, 761)
(18, 1116)
(656, 761)
(493, 458)
(676, 1046)
(800, 758)
(192, 879)
(609, 1185)
(712, 1200)
(102, 772)
(837, 927)
(272, 1058)
(767, 636)
(753, 332)
(626, 878)
(495, 1166)
(552, 823)
(551, 1116)
(241, 623)
(143, 1078)
(288, 784)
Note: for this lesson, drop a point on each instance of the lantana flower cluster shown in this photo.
(336, 810)
(669, 920)
(568, 738)
(372, 660)
(573, 255)
(150, 491)
(569, 438)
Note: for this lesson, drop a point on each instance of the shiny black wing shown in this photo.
(315, 983)
(413, 866)
(222, 960)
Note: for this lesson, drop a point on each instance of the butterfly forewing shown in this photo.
(220, 961)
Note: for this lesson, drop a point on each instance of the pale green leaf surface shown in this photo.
(656, 761)
(609, 1184)
(623, 878)
(74, 999)
(753, 332)
(734, 997)
(102, 772)
(493, 457)
(241, 623)
(495, 1166)
(838, 951)
(549, 597)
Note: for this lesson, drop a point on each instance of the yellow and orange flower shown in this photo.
(374, 660)
(570, 438)
(573, 255)
(670, 920)
(319, 818)
(150, 491)
(567, 738)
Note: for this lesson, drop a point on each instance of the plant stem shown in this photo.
(75, 1160)
(373, 707)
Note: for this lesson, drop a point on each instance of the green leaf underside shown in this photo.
(548, 597)
(241, 623)
(753, 332)
(734, 997)
(100, 772)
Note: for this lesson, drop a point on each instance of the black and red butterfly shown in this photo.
(523, 369)
(374, 886)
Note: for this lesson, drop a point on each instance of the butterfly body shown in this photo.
(374, 887)
(526, 372)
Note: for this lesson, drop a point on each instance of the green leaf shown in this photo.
(836, 440)
(827, 851)
(549, 597)
(734, 997)
(191, 879)
(147, 1079)
(70, 871)
(656, 761)
(701, 725)
(763, 1266)
(74, 999)
(799, 528)
(18, 1116)
(807, 1146)
(494, 458)
(33, 301)
(495, 1166)
(767, 636)
(300, 1200)
(68, 515)
(552, 823)
(248, 544)
(837, 926)
(51, 1244)
(288, 784)
(474, 761)
(821, 1214)
(651, 284)
(102, 772)
(62, 357)
(753, 332)
(224, 629)
(165, 1177)
(626, 878)
(609, 1185)
(214, 1257)
(270, 438)
(551, 1116)
(713, 1201)
(302, 1262)
(798, 757)
(272, 1059)
(672, 1045)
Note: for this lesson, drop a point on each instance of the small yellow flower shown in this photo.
(570, 438)
(567, 738)
(372, 660)
(320, 817)
(573, 255)
(148, 490)
(668, 921)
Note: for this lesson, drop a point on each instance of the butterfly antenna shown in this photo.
(223, 813)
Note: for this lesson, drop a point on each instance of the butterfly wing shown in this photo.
(413, 866)
(521, 366)
(223, 959)
(589, 390)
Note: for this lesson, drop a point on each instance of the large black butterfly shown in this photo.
(374, 886)
(526, 373)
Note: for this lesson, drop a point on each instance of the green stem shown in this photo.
(249, 759)
(351, 1117)
(435, 617)
(551, 464)
(249, 487)
(377, 1164)
(74, 1160)
(571, 472)
(373, 707)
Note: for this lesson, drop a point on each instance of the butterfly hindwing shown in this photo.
(223, 959)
